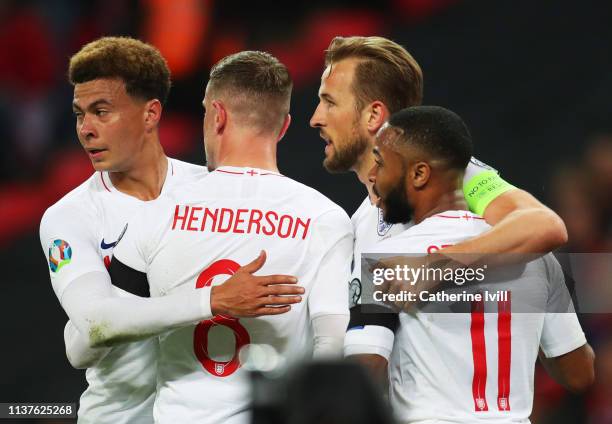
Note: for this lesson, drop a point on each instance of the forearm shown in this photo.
(520, 225)
(79, 353)
(377, 366)
(329, 331)
(105, 319)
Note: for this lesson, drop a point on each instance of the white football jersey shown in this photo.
(199, 235)
(476, 366)
(78, 235)
(369, 228)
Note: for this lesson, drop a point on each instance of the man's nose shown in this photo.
(86, 128)
(316, 120)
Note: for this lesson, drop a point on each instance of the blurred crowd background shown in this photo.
(533, 80)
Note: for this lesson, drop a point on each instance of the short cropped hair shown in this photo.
(386, 72)
(256, 85)
(141, 66)
(439, 132)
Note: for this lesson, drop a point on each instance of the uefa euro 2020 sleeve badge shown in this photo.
(60, 254)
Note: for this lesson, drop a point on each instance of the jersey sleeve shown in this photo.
(333, 239)
(78, 352)
(561, 332)
(70, 245)
(371, 329)
(481, 185)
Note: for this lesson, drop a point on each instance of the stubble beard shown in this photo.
(345, 158)
(397, 209)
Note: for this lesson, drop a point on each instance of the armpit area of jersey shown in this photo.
(128, 279)
(362, 315)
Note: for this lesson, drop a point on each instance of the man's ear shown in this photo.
(377, 115)
(152, 114)
(420, 174)
(220, 119)
(284, 128)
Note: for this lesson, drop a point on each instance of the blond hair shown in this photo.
(385, 72)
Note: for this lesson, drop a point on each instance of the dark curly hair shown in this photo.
(140, 65)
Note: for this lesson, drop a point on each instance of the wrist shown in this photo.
(215, 303)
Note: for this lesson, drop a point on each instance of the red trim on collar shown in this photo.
(103, 183)
(229, 172)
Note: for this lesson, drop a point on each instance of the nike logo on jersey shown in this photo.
(105, 246)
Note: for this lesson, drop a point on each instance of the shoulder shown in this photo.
(315, 200)
(445, 228)
(77, 204)
(462, 224)
(476, 167)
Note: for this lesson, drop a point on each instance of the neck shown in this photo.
(443, 197)
(249, 150)
(362, 168)
(145, 178)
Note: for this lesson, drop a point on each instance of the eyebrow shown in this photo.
(91, 105)
(328, 97)
(376, 152)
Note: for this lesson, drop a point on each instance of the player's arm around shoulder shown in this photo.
(242, 295)
(540, 229)
(83, 285)
(521, 224)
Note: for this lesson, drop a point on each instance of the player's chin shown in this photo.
(334, 165)
(102, 165)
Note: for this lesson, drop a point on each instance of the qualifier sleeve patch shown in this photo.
(60, 255)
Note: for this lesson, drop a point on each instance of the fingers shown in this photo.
(256, 264)
(280, 300)
(266, 280)
(282, 290)
(273, 310)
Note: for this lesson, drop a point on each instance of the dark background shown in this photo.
(533, 80)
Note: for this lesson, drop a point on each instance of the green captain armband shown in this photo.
(483, 188)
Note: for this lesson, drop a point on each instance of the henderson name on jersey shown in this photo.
(195, 238)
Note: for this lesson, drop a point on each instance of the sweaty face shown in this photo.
(109, 123)
(388, 176)
(338, 119)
